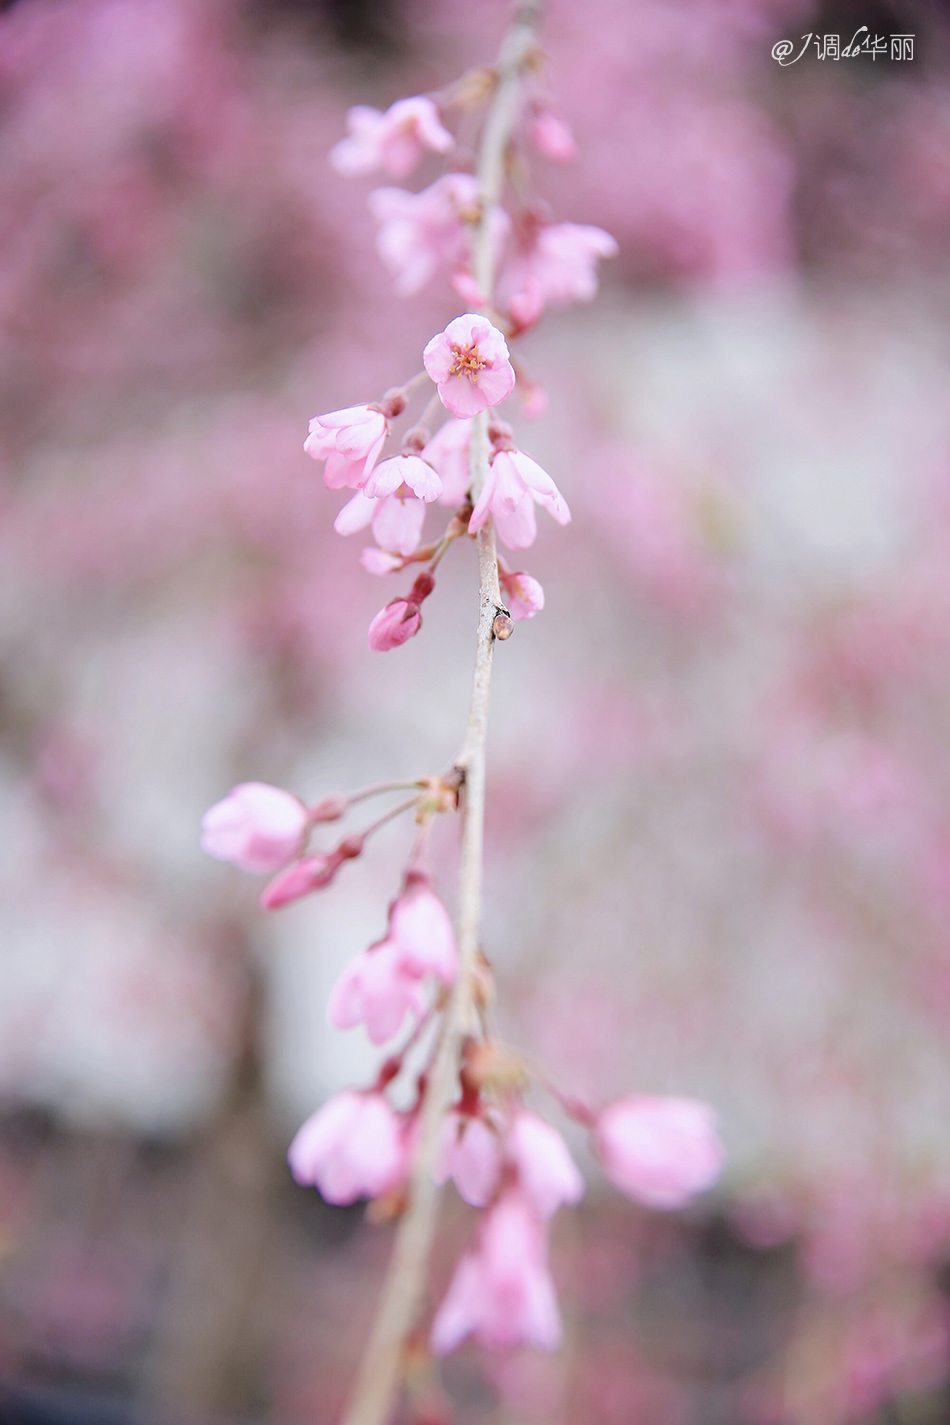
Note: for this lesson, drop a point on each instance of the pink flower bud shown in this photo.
(329, 809)
(256, 826)
(401, 618)
(355, 1146)
(524, 594)
(393, 625)
(312, 873)
(659, 1151)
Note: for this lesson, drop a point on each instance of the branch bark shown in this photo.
(380, 1371)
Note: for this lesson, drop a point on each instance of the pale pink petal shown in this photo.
(374, 990)
(518, 528)
(385, 479)
(257, 827)
(397, 523)
(552, 137)
(355, 515)
(448, 452)
(378, 561)
(470, 1154)
(420, 926)
(547, 1173)
(354, 1146)
(542, 487)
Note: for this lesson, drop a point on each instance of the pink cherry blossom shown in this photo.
(515, 484)
(469, 364)
(349, 441)
(422, 232)
(557, 267)
(659, 1151)
(411, 471)
(547, 1174)
(502, 1292)
(256, 826)
(395, 140)
(301, 878)
(552, 137)
(420, 927)
(447, 450)
(354, 1146)
(524, 595)
(394, 625)
(470, 1154)
(401, 618)
(397, 520)
(375, 989)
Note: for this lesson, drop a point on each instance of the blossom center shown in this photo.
(467, 361)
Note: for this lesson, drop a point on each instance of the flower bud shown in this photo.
(312, 873)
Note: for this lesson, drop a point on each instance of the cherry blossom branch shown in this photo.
(380, 1371)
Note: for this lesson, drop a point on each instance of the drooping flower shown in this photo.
(659, 1151)
(397, 520)
(376, 990)
(547, 1174)
(350, 441)
(422, 232)
(471, 1154)
(409, 470)
(557, 266)
(420, 928)
(524, 594)
(394, 140)
(355, 1146)
(515, 484)
(257, 826)
(469, 364)
(502, 1292)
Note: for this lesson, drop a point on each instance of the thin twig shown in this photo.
(401, 1298)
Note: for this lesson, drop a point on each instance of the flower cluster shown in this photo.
(540, 263)
(506, 1161)
(503, 1159)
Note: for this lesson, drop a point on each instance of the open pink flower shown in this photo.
(397, 520)
(349, 441)
(375, 989)
(394, 140)
(469, 364)
(515, 484)
(524, 595)
(419, 233)
(557, 267)
(547, 1174)
(355, 1146)
(502, 1292)
(659, 1151)
(470, 1153)
(256, 826)
(406, 470)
